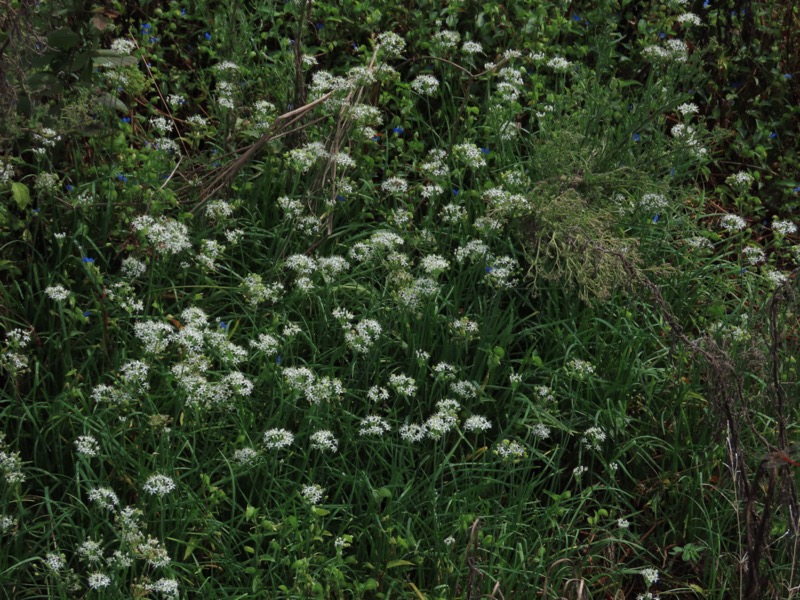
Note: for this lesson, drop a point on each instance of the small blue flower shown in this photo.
(319, 25)
(637, 137)
(278, 360)
(398, 130)
(87, 260)
(662, 35)
(743, 270)
(773, 135)
(223, 325)
(153, 39)
(485, 150)
(355, 47)
(489, 269)
(576, 17)
(122, 178)
(126, 119)
(706, 3)
(146, 28)
(69, 187)
(376, 137)
(207, 36)
(672, 171)
(339, 198)
(787, 75)
(87, 313)
(455, 191)
(183, 12)
(656, 218)
(796, 190)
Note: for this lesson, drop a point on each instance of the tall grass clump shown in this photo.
(314, 301)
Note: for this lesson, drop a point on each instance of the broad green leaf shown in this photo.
(22, 195)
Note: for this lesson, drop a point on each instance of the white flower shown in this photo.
(158, 485)
(446, 39)
(470, 154)
(413, 432)
(580, 368)
(373, 425)
(449, 541)
(559, 64)
(55, 562)
(623, 523)
(510, 450)
(776, 278)
(395, 185)
(245, 456)
(784, 227)
(86, 445)
(688, 108)
(593, 437)
(741, 180)
(754, 255)
(425, 85)
(540, 431)
(403, 384)
(391, 43)
(104, 497)
(689, 19)
(477, 423)
(122, 46)
(732, 222)
(167, 587)
(313, 493)
(57, 292)
(278, 438)
(471, 48)
(99, 581)
(325, 441)
(650, 576)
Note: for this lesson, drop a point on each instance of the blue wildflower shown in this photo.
(485, 150)
(223, 325)
(773, 135)
(455, 191)
(278, 360)
(398, 130)
(489, 269)
(637, 137)
(87, 313)
(796, 190)
(122, 178)
(319, 25)
(87, 260)
(69, 187)
(207, 36)
(787, 75)
(126, 119)
(576, 17)
(339, 198)
(662, 35)
(656, 218)
(146, 28)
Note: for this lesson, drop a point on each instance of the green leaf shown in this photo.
(107, 58)
(22, 195)
(63, 38)
(399, 563)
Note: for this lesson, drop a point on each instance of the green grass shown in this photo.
(598, 370)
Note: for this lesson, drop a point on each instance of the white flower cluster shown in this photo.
(673, 51)
(470, 155)
(510, 450)
(257, 292)
(391, 44)
(425, 85)
(164, 234)
(315, 389)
